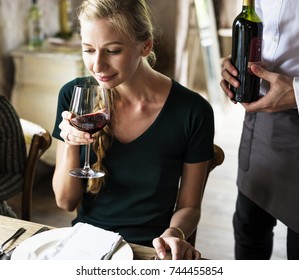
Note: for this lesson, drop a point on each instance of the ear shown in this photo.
(147, 47)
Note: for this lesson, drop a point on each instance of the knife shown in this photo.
(7, 256)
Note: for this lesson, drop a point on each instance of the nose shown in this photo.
(99, 64)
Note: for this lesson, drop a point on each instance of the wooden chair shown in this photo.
(22, 145)
(37, 140)
(217, 160)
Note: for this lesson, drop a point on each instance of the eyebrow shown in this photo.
(105, 45)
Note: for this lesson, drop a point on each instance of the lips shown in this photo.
(105, 78)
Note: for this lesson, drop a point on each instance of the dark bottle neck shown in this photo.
(248, 7)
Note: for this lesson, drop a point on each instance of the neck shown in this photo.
(143, 78)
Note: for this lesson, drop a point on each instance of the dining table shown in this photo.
(9, 225)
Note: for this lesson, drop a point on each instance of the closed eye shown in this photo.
(88, 50)
(113, 52)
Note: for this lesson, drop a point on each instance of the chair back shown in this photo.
(38, 140)
(215, 161)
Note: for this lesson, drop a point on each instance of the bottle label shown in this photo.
(255, 51)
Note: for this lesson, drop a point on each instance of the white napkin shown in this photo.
(84, 241)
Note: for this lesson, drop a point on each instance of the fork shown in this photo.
(18, 233)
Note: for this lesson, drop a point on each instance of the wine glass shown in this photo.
(90, 113)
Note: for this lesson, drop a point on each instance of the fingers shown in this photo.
(280, 96)
(257, 70)
(180, 249)
(172, 243)
(263, 73)
(177, 251)
(67, 138)
(70, 134)
(66, 115)
(224, 85)
(159, 246)
(189, 252)
(228, 66)
(229, 73)
(197, 255)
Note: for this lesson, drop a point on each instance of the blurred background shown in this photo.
(171, 16)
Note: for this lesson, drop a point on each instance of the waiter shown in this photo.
(268, 171)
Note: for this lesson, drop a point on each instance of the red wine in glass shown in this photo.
(90, 123)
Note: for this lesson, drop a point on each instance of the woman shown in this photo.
(160, 137)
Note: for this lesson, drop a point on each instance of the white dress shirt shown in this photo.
(281, 39)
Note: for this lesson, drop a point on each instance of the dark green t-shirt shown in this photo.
(143, 176)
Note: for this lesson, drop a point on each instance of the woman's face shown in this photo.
(110, 58)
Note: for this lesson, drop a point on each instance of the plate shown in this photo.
(38, 244)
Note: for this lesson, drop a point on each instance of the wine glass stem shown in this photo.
(87, 154)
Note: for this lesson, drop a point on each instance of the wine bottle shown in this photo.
(65, 19)
(35, 28)
(246, 50)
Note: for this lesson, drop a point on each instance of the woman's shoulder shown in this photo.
(188, 95)
(180, 89)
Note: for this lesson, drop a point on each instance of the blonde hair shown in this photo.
(132, 19)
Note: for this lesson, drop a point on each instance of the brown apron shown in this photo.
(269, 164)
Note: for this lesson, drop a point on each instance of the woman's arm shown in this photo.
(68, 190)
(186, 215)
(190, 197)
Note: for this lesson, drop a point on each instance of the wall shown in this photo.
(226, 11)
(13, 33)
(229, 10)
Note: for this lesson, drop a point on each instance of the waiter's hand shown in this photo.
(229, 77)
(280, 97)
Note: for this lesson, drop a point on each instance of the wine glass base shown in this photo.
(86, 173)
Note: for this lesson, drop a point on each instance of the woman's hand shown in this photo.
(70, 134)
(186, 215)
(180, 249)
